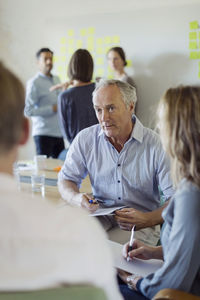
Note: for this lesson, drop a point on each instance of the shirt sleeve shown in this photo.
(74, 168)
(32, 105)
(163, 174)
(181, 253)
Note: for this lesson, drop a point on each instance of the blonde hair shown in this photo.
(11, 109)
(181, 128)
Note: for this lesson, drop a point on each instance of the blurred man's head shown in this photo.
(13, 125)
(45, 60)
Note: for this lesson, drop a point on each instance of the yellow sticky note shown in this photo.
(55, 58)
(99, 50)
(70, 50)
(129, 63)
(90, 48)
(63, 58)
(90, 39)
(193, 55)
(99, 41)
(194, 25)
(193, 45)
(99, 61)
(79, 43)
(63, 40)
(193, 35)
(70, 32)
(198, 55)
(63, 50)
(83, 32)
(100, 72)
(116, 39)
(60, 68)
(91, 30)
(70, 41)
(107, 40)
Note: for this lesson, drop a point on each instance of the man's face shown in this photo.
(113, 115)
(45, 62)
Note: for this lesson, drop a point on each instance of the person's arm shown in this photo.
(61, 86)
(142, 251)
(70, 193)
(32, 105)
(127, 217)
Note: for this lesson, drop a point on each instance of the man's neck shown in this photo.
(119, 142)
(7, 160)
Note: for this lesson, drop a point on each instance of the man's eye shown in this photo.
(98, 110)
(111, 108)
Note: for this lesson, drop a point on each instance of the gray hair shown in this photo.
(127, 91)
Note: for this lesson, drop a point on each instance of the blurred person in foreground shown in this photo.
(42, 246)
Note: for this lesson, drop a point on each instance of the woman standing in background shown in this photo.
(117, 62)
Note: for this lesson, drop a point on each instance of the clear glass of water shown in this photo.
(38, 183)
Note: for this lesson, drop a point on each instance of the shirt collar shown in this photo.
(137, 132)
(42, 75)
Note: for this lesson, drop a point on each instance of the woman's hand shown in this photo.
(140, 250)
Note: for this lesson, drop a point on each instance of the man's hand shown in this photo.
(127, 217)
(87, 201)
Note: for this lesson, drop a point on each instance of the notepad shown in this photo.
(105, 211)
(137, 266)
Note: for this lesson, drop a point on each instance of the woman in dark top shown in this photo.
(75, 107)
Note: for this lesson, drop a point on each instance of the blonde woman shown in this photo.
(179, 124)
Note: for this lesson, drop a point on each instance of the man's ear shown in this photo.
(25, 132)
(132, 108)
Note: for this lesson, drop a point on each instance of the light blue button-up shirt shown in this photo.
(130, 177)
(39, 105)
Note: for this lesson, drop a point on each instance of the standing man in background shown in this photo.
(41, 106)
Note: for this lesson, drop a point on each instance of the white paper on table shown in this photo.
(105, 211)
(137, 266)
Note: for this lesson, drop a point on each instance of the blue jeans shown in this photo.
(48, 145)
(129, 294)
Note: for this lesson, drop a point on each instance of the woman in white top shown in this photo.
(117, 62)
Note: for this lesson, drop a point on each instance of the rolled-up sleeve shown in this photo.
(74, 168)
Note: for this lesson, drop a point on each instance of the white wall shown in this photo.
(154, 35)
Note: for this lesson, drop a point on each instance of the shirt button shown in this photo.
(118, 165)
(118, 181)
(119, 198)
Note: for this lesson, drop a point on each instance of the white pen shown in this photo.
(130, 247)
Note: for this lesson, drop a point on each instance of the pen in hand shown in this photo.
(130, 247)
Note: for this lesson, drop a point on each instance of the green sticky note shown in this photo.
(194, 25)
(90, 48)
(198, 55)
(193, 45)
(193, 55)
(193, 35)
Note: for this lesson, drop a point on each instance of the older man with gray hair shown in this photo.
(125, 162)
